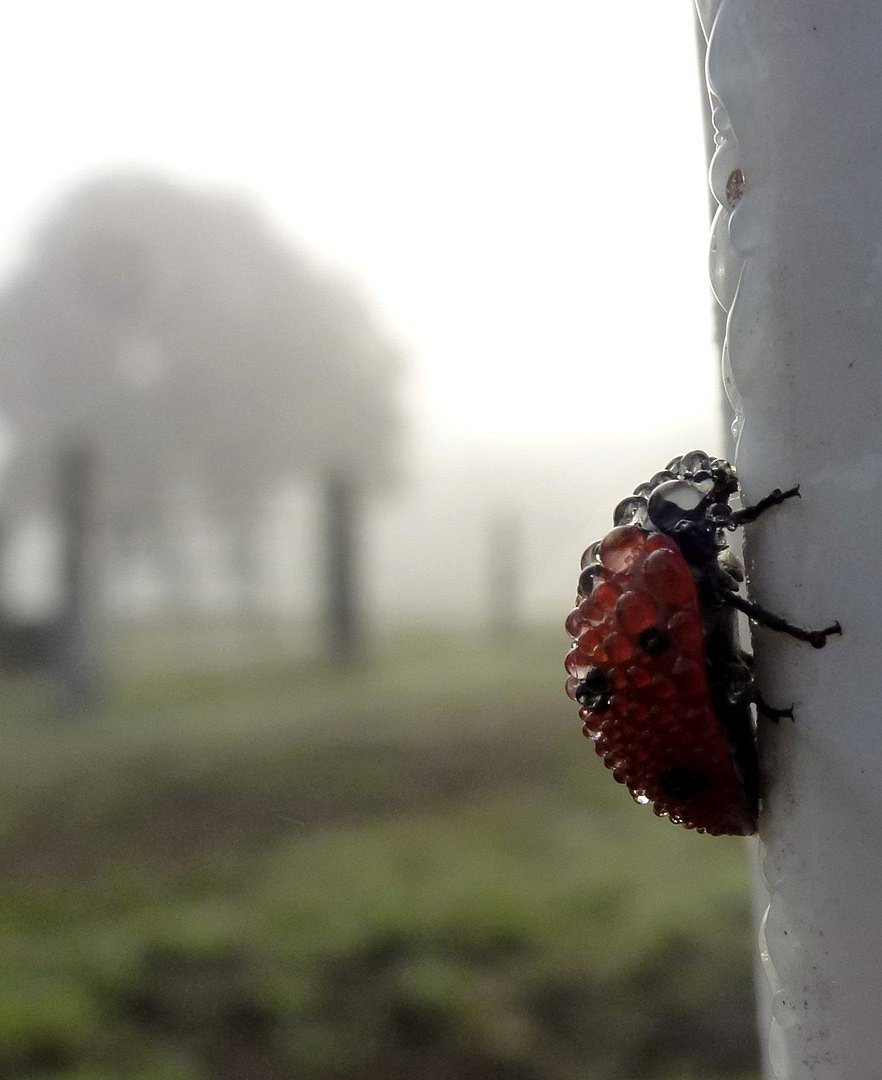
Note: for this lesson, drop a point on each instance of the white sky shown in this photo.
(520, 186)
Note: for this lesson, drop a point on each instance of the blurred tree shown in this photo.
(202, 356)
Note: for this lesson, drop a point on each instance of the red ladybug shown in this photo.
(664, 688)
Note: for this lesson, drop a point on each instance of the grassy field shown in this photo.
(416, 868)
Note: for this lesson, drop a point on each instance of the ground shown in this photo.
(413, 868)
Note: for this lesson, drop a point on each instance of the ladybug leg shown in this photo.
(816, 638)
(751, 513)
(769, 711)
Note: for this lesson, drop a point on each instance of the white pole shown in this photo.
(798, 260)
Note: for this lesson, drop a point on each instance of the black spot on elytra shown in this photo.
(655, 641)
(682, 782)
(594, 691)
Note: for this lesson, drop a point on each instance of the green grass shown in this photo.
(412, 868)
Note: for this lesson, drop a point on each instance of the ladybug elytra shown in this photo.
(665, 691)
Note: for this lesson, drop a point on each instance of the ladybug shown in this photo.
(665, 691)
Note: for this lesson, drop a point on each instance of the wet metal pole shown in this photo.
(797, 261)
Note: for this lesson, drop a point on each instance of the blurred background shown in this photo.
(329, 337)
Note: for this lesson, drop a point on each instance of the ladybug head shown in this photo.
(676, 501)
(690, 502)
(694, 488)
(698, 540)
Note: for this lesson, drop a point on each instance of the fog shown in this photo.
(330, 336)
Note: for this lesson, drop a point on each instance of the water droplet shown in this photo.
(620, 547)
(672, 502)
(589, 556)
(725, 163)
(695, 461)
(630, 511)
(719, 513)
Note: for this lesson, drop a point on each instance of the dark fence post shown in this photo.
(344, 621)
(74, 660)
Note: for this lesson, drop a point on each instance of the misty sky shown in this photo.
(519, 186)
